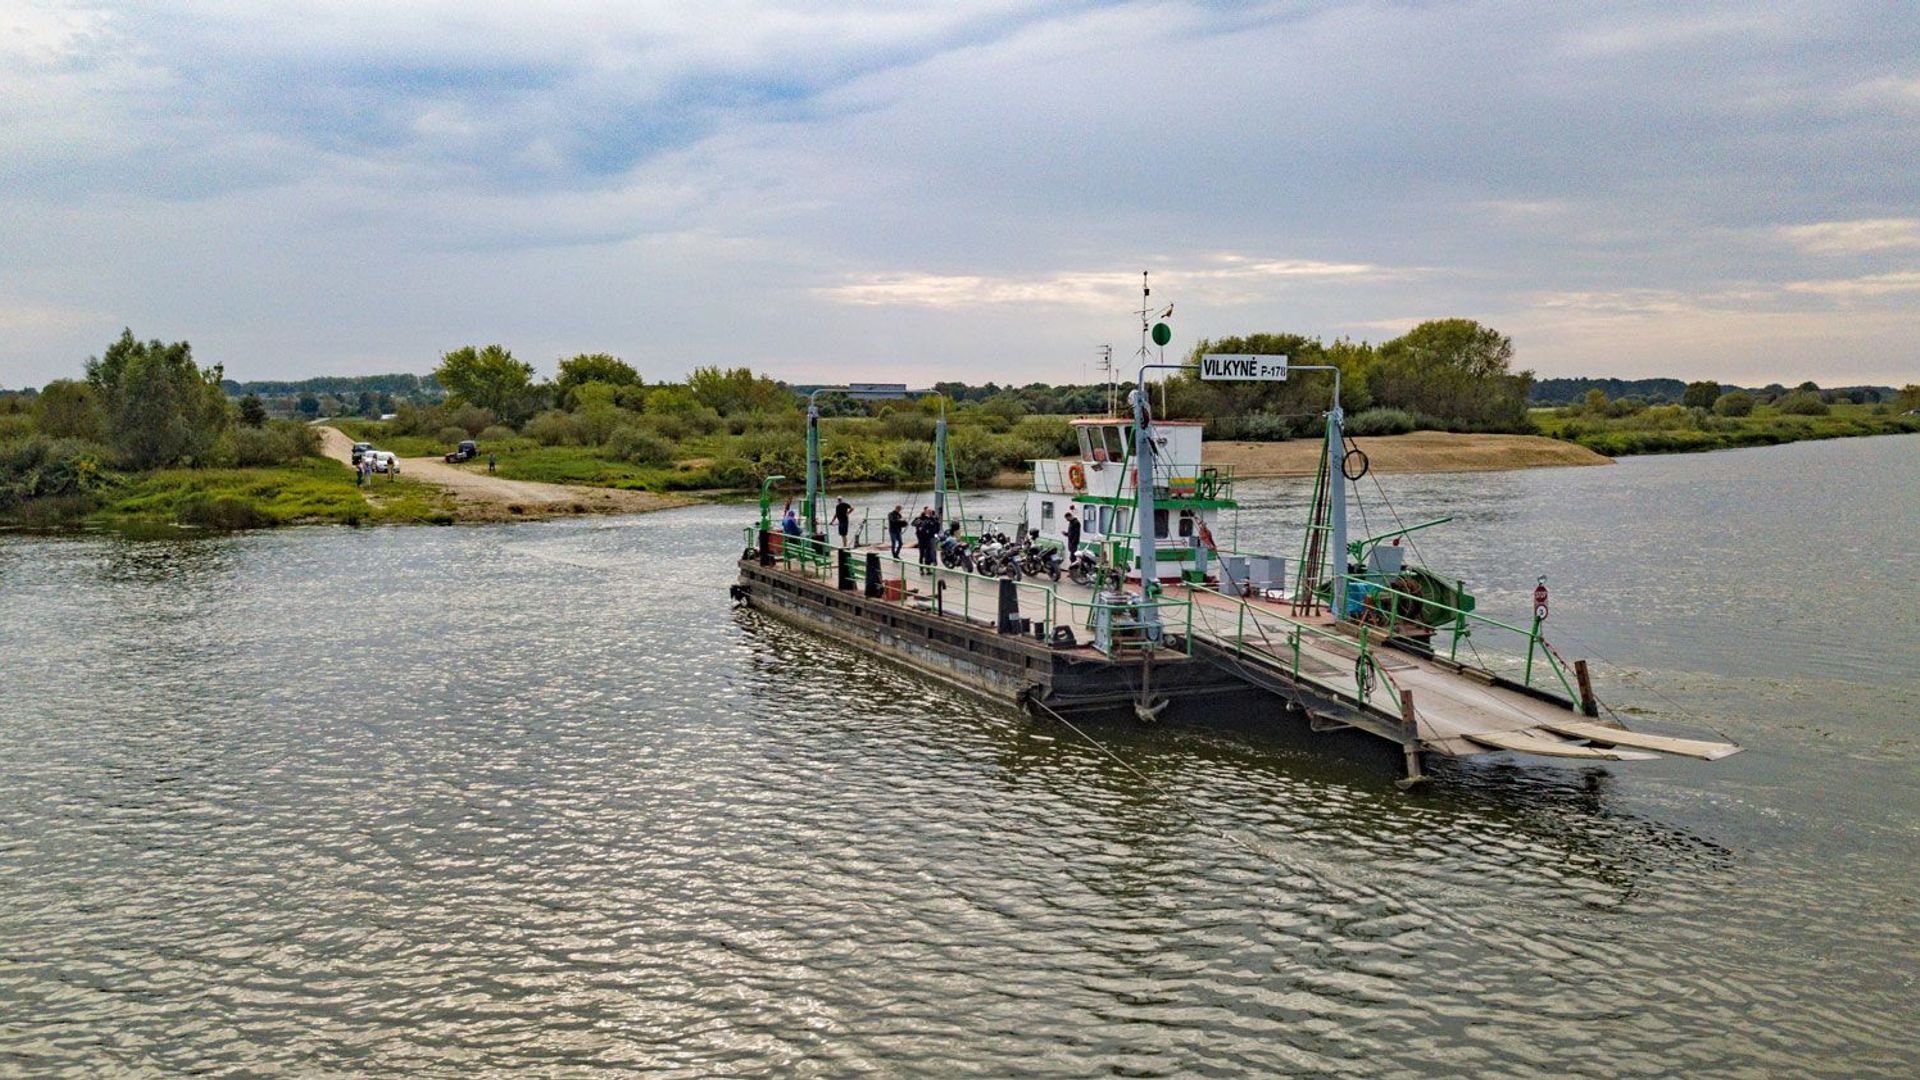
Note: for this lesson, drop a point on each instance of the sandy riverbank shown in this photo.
(480, 497)
(1419, 452)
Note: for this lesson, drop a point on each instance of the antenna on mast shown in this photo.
(1106, 367)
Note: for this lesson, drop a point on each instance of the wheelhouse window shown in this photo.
(1046, 515)
(1160, 523)
(1186, 524)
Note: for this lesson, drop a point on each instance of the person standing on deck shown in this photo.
(842, 518)
(790, 524)
(926, 528)
(896, 528)
(1073, 534)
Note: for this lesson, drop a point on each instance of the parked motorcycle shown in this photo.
(954, 553)
(997, 556)
(1084, 567)
(1037, 560)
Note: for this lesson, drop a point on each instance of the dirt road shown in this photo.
(480, 497)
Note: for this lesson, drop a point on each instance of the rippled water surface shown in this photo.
(464, 801)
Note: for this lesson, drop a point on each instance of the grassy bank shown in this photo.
(313, 491)
(1673, 429)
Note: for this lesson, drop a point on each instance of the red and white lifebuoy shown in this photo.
(1077, 476)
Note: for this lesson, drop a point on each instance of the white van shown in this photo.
(383, 461)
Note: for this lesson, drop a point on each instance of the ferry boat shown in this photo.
(1345, 639)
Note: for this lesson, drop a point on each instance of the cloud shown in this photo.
(1855, 237)
(1664, 32)
(1866, 286)
(1239, 280)
(811, 185)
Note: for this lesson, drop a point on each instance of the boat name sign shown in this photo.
(1243, 367)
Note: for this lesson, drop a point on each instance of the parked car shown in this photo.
(467, 452)
(360, 450)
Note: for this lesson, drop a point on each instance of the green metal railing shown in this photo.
(1368, 672)
(950, 592)
(1459, 628)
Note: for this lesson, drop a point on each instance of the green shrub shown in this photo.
(278, 442)
(1052, 433)
(1734, 403)
(630, 443)
(553, 428)
(1381, 422)
(39, 467)
(16, 426)
(732, 472)
(907, 425)
(913, 461)
(597, 423)
(472, 418)
(1802, 403)
(496, 433)
(670, 426)
(451, 434)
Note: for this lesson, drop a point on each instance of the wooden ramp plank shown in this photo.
(1536, 742)
(1704, 749)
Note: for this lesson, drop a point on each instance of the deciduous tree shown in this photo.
(1701, 395)
(489, 377)
(157, 408)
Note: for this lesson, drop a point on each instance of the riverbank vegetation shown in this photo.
(1713, 418)
(598, 422)
(147, 437)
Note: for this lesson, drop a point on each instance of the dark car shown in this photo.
(360, 450)
(467, 452)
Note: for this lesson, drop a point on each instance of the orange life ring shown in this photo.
(1078, 476)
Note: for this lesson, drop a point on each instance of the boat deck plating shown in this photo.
(1425, 704)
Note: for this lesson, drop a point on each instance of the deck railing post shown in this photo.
(1533, 642)
(874, 585)
(1588, 703)
(1009, 606)
(766, 547)
(1410, 740)
(845, 559)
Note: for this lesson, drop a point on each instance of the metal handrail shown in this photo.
(1294, 630)
(814, 559)
(1459, 630)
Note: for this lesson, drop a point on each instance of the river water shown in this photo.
(416, 801)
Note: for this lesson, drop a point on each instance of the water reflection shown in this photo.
(405, 802)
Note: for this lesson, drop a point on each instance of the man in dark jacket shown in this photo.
(896, 528)
(926, 529)
(1073, 534)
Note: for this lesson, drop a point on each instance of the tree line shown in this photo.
(141, 405)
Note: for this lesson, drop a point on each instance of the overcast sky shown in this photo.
(909, 191)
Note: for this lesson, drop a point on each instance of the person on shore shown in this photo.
(842, 519)
(1073, 535)
(393, 469)
(489, 463)
(896, 529)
